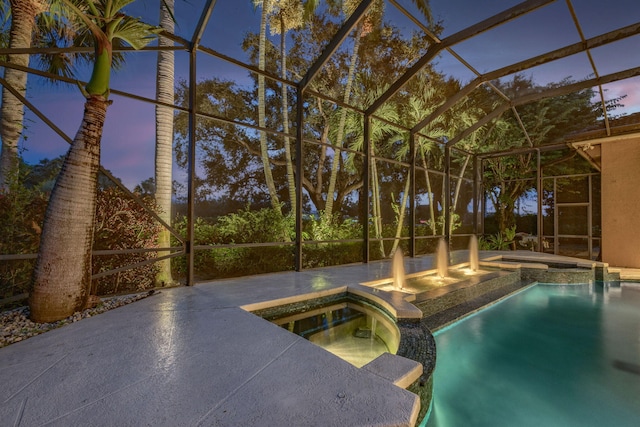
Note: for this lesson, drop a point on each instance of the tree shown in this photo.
(62, 276)
(164, 139)
(264, 149)
(288, 15)
(382, 55)
(371, 20)
(546, 121)
(23, 24)
(231, 161)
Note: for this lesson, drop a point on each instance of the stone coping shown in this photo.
(537, 258)
(632, 274)
(393, 302)
(399, 370)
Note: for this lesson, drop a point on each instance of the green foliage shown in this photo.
(121, 223)
(455, 223)
(265, 225)
(500, 241)
(321, 228)
(547, 121)
(325, 254)
(21, 214)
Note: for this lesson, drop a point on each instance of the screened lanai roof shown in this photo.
(571, 45)
(563, 46)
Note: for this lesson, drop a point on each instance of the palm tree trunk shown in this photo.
(62, 276)
(456, 194)
(23, 15)
(328, 209)
(285, 121)
(432, 211)
(164, 140)
(264, 152)
(377, 209)
(401, 215)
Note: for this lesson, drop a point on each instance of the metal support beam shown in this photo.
(483, 201)
(366, 183)
(476, 186)
(481, 27)
(335, 43)
(202, 24)
(412, 195)
(191, 165)
(446, 194)
(540, 199)
(298, 175)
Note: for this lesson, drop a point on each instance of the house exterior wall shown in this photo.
(621, 203)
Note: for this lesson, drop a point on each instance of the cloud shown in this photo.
(630, 88)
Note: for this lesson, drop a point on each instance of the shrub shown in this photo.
(121, 223)
(21, 214)
(265, 225)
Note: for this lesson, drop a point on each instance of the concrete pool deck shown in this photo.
(193, 356)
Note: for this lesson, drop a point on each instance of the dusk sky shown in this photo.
(128, 139)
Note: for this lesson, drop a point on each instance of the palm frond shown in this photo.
(135, 33)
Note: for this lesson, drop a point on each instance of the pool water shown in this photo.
(547, 356)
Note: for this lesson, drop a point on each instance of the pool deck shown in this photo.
(192, 356)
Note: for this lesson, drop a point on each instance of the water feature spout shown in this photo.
(442, 259)
(473, 253)
(398, 270)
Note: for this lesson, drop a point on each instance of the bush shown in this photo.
(21, 215)
(327, 254)
(121, 223)
(246, 226)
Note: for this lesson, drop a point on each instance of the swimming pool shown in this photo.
(548, 356)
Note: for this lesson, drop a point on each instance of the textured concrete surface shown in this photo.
(192, 356)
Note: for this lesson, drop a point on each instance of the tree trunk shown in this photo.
(23, 15)
(401, 215)
(343, 117)
(432, 211)
(285, 121)
(62, 276)
(377, 208)
(164, 141)
(264, 152)
(456, 194)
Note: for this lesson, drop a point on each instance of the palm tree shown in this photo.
(348, 8)
(23, 23)
(382, 133)
(164, 138)
(288, 15)
(267, 6)
(372, 17)
(62, 276)
(465, 115)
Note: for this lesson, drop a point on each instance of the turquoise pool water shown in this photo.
(549, 356)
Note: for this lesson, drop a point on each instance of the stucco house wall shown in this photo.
(621, 202)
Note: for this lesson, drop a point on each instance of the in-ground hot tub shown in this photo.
(366, 327)
(352, 330)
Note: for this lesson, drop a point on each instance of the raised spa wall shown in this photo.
(554, 271)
